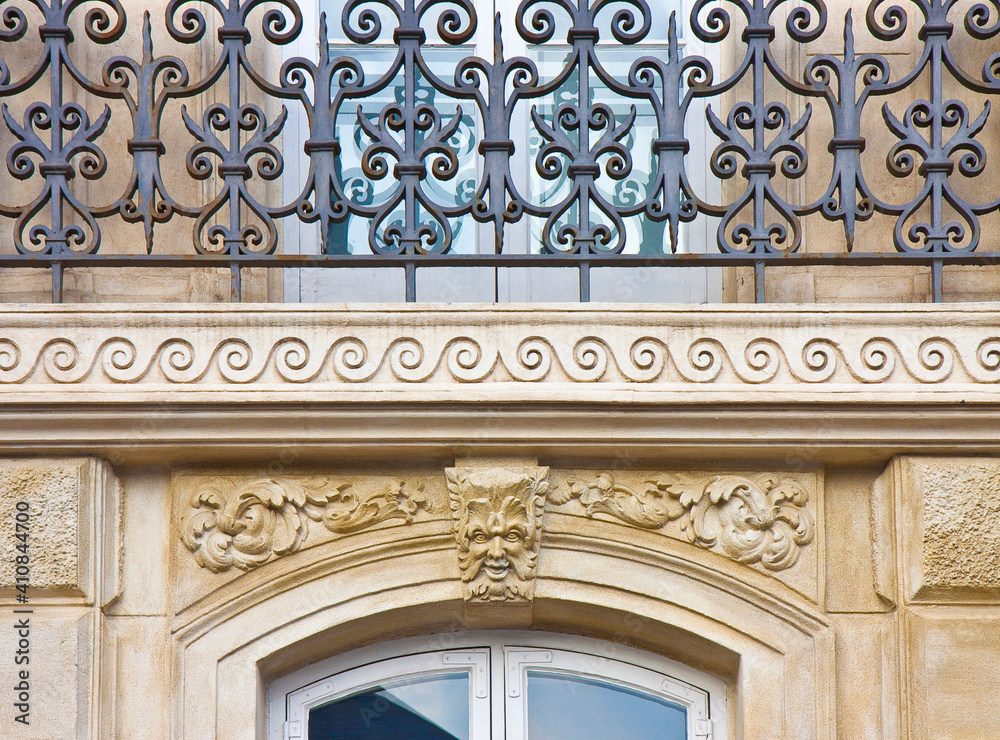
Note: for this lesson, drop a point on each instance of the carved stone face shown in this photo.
(498, 540)
(497, 520)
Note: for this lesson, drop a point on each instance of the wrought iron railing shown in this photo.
(405, 161)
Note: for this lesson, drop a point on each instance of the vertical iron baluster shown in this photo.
(934, 148)
(497, 199)
(410, 277)
(145, 199)
(848, 197)
(57, 281)
(759, 117)
(234, 118)
(71, 147)
(670, 195)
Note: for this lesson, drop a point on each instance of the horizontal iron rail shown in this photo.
(583, 263)
(289, 261)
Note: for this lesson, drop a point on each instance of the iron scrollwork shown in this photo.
(421, 147)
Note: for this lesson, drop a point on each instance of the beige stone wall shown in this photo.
(819, 529)
(818, 629)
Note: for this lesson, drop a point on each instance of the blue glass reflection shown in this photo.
(562, 707)
(422, 709)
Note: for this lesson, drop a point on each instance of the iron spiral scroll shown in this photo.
(419, 152)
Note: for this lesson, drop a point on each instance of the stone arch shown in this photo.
(772, 646)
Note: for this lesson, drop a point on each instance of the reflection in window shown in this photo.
(351, 235)
(564, 707)
(642, 235)
(421, 709)
(549, 188)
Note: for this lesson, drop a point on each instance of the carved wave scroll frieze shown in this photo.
(245, 523)
(762, 519)
(559, 347)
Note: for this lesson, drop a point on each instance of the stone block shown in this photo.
(949, 525)
(855, 506)
(866, 647)
(59, 654)
(135, 689)
(955, 673)
(72, 527)
(146, 539)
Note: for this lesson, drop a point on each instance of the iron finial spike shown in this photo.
(672, 37)
(497, 38)
(324, 45)
(848, 36)
(147, 39)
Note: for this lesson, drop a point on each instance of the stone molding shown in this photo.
(506, 352)
(760, 519)
(600, 588)
(245, 523)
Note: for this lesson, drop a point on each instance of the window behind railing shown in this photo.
(577, 135)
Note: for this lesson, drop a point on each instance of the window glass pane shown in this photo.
(435, 708)
(562, 707)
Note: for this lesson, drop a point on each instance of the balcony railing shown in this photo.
(409, 158)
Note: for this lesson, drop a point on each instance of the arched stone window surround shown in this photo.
(771, 646)
(483, 654)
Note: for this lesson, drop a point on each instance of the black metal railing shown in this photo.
(411, 156)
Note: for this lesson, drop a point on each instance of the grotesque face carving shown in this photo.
(498, 540)
(498, 518)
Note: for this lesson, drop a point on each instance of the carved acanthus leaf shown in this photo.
(346, 513)
(762, 519)
(246, 523)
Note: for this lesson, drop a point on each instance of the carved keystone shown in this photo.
(498, 527)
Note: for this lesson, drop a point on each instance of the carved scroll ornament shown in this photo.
(762, 519)
(245, 524)
(498, 526)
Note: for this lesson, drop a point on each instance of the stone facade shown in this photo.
(799, 499)
(801, 503)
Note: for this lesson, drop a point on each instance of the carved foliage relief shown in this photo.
(762, 520)
(753, 520)
(244, 523)
(498, 524)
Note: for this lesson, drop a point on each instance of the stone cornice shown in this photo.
(579, 353)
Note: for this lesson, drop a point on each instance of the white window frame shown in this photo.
(474, 663)
(519, 660)
(497, 663)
